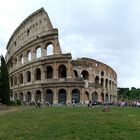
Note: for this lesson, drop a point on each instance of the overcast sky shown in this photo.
(105, 30)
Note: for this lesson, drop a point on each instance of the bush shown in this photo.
(12, 103)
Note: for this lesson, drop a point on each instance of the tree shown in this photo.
(4, 82)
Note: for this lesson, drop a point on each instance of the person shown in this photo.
(47, 104)
(38, 104)
(73, 102)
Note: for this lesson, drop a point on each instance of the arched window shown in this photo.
(94, 96)
(62, 97)
(76, 73)
(106, 83)
(49, 96)
(62, 71)
(102, 73)
(11, 81)
(76, 95)
(15, 61)
(21, 59)
(21, 78)
(29, 55)
(21, 96)
(38, 95)
(49, 72)
(96, 80)
(15, 80)
(28, 97)
(28, 76)
(50, 49)
(38, 52)
(38, 74)
(85, 74)
(102, 82)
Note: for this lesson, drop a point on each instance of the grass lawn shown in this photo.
(70, 123)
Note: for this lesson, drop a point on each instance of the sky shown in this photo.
(105, 30)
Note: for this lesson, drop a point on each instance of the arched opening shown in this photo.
(28, 97)
(62, 71)
(62, 97)
(96, 80)
(106, 83)
(38, 52)
(21, 59)
(102, 97)
(15, 97)
(38, 74)
(76, 95)
(49, 72)
(94, 96)
(102, 73)
(21, 78)
(21, 96)
(75, 73)
(86, 97)
(28, 76)
(50, 49)
(38, 95)
(15, 61)
(107, 98)
(15, 80)
(29, 55)
(49, 96)
(102, 82)
(85, 74)
(11, 81)
(110, 84)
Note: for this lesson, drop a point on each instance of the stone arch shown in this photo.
(38, 95)
(15, 96)
(85, 74)
(29, 55)
(107, 98)
(62, 71)
(102, 82)
(110, 84)
(102, 73)
(76, 73)
(106, 83)
(62, 96)
(20, 78)
(15, 80)
(94, 96)
(49, 96)
(21, 96)
(86, 96)
(96, 80)
(28, 76)
(37, 74)
(15, 61)
(75, 94)
(38, 52)
(11, 81)
(102, 97)
(28, 96)
(50, 48)
(21, 59)
(49, 72)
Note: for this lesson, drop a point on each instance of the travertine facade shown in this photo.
(38, 70)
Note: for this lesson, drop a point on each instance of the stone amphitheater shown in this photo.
(38, 70)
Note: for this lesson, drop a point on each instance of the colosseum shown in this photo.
(38, 70)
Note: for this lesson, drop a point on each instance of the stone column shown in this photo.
(55, 96)
(33, 55)
(68, 96)
(55, 71)
(82, 100)
(69, 74)
(43, 52)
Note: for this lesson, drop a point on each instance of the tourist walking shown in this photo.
(38, 104)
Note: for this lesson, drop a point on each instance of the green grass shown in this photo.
(70, 123)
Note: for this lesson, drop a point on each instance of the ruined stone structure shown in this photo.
(38, 70)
